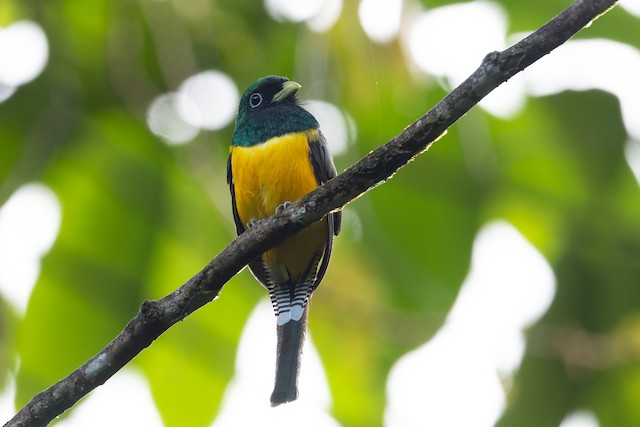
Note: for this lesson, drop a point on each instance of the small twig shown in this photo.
(155, 317)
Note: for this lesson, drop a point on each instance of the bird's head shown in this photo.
(270, 108)
(267, 92)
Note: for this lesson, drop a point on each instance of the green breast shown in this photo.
(272, 122)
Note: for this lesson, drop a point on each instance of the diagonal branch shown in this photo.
(155, 317)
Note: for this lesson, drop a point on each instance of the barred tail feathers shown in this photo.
(290, 339)
(290, 302)
(290, 299)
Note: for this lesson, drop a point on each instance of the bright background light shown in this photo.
(632, 154)
(124, 400)
(438, 46)
(24, 51)
(7, 397)
(209, 100)
(29, 225)
(380, 19)
(332, 123)
(165, 121)
(450, 41)
(6, 92)
(319, 15)
(326, 17)
(631, 6)
(293, 10)
(580, 419)
(246, 400)
(509, 287)
(602, 64)
(204, 101)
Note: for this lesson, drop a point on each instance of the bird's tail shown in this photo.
(290, 339)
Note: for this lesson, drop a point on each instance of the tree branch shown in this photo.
(155, 317)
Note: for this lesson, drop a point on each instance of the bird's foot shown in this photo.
(254, 222)
(282, 207)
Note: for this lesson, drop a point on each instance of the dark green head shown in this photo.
(269, 108)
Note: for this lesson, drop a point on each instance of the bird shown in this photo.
(278, 154)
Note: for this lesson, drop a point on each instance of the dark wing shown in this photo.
(236, 217)
(256, 266)
(324, 170)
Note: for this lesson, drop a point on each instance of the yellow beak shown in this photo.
(289, 88)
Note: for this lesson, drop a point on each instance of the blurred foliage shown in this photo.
(140, 217)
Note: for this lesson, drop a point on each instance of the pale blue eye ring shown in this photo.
(255, 99)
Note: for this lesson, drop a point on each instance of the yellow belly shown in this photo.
(268, 174)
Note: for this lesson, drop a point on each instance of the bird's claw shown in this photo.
(279, 209)
(254, 222)
(282, 207)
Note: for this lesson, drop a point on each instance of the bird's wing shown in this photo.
(256, 266)
(324, 170)
(236, 217)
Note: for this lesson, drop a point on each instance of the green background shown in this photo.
(140, 217)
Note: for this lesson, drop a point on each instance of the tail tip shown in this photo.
(280, 397)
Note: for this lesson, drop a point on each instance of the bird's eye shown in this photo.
(255, 99)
